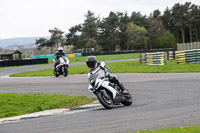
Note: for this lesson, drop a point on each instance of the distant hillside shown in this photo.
(12, 43)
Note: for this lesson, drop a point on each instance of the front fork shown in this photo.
(116, 96)
(63, 68)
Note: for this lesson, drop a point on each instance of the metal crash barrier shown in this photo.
(158, 58)
(188, 56)
(51, 56)
(23, 62)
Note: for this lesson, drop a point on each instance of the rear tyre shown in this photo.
(127, 98)
(107, 102)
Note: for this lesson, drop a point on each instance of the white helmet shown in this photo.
(60, 49)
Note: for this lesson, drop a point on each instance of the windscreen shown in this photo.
(92, 78)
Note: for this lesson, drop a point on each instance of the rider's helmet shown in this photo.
(60, 49)
(91, 61)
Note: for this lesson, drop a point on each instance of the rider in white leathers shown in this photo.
(58, 54)
(102, 71)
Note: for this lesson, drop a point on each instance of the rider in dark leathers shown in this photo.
(58, 54)
(102, 70)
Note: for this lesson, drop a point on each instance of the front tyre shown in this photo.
(55, 73)
(65, 72)
(106, 101)
(127, 98)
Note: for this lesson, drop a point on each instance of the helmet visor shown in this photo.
(91, 64)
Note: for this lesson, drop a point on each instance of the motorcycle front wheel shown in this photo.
(55, 73)
(106, 101)
(65, 72)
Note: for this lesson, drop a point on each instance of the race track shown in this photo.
(160, 100)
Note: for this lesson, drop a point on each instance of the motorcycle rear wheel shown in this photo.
(127, 99)
(106, 102)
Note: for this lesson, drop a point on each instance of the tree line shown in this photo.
(119, 31)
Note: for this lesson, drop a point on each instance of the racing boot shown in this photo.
(123, 90)
(121, 86)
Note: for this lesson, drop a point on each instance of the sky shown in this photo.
(34, 18)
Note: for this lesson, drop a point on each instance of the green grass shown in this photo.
(49, 72)
(191, 129)
(103, 57)
(135, 67)
(122, 67)
(18, 104)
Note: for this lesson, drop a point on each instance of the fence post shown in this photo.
(165, 58)
(141, 60)
(195, 45)
(167, 55)
(174, 54)
(178, 46)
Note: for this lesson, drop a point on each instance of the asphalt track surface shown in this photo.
(159, 101)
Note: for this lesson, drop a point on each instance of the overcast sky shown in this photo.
(33, 18)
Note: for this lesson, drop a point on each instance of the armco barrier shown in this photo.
(23, 62)
(71, 55)
(51, 56)
(188, 56)
(158, 58)
(78, 54)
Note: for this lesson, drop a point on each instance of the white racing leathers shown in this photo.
(106, 87)
(101, 70)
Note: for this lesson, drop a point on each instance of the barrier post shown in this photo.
(166, 57)
(141, 58)
(178, 46)
(196, 43)
(174, 54)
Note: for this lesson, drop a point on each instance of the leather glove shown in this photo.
(107, 74)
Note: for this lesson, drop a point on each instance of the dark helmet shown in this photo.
(91, 61)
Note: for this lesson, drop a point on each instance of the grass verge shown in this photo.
(103, 57)
(191, 129)
(122, 67)
(18, 104)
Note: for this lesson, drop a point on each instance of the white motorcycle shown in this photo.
(62, 67)
(108, 93)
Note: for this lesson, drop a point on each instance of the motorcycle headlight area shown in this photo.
(92, 82)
